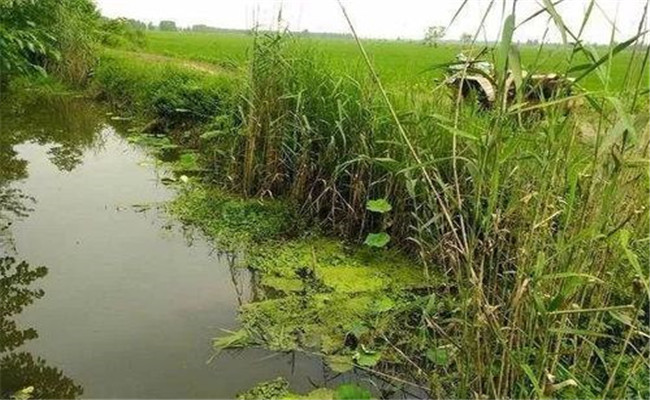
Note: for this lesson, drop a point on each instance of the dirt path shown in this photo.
(200, 66)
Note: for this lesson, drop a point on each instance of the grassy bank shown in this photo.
(172, 93)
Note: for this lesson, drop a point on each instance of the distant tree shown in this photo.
(167, 25)
(466, 38)
(151, 26)
(433, 35)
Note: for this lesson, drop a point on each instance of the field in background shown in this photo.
(406, 63)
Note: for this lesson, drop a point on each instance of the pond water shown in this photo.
(130, 303)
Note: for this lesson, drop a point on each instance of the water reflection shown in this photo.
(19, 369)
(68, 126)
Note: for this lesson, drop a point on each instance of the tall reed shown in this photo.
(538, 215)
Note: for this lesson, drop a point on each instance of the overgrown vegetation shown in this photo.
(536, 216)
(47, 36)
(173, 94)
(541, 226)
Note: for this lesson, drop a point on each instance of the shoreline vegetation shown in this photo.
(393, 228)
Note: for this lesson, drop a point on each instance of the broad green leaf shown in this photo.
(377, 239)
(439, 356)
(358, 329)
(379, 206)
(383, 304)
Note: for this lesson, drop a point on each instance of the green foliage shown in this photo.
(122, 33)
(56, 36)
(233, 340)
(439, 356)
(166, 90)
(377, 239)
(283, 284)
(381, 206)
(167, 25)
(324, 293)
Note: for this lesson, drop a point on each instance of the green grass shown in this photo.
(163, 88)
(399, 63)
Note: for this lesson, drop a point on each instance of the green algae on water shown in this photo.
(278, 389)
(330, 298)
(232, 222)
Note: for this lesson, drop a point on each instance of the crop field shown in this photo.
(404, 63)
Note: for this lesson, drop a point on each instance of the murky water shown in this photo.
(130, 305)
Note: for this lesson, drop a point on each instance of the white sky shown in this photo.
(386, 18)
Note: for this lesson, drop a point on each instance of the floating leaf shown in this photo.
(379, 206)
(377, 239)
(24, 394)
